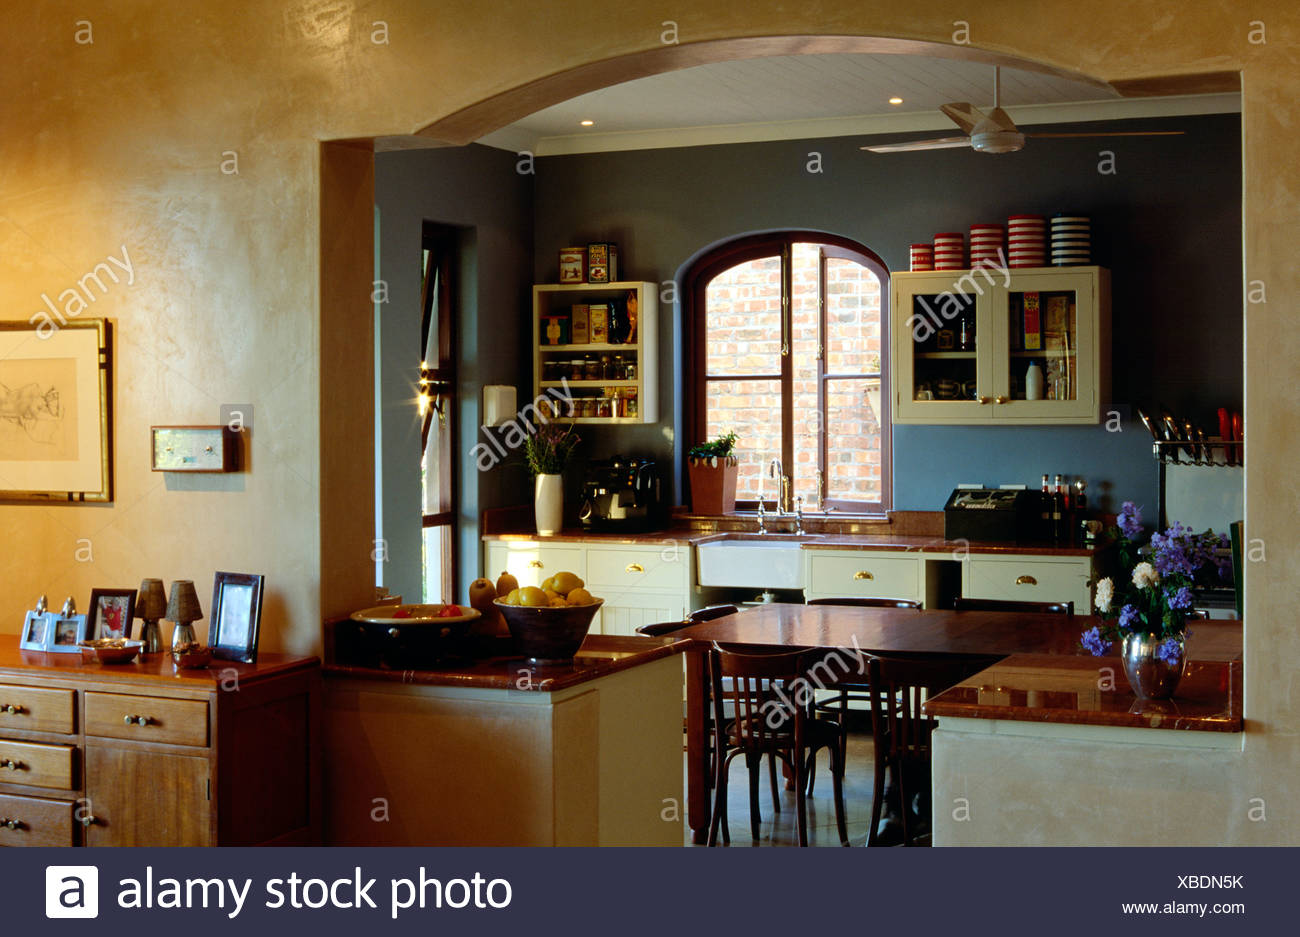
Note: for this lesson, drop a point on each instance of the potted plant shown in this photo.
(1148, 612)
(713, 468)
(547, 452)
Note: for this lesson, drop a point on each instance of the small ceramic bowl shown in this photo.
(191, 656)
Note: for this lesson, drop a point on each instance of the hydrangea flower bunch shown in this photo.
(1157, 597)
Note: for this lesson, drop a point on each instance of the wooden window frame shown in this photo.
(438, 380)
(755, 247)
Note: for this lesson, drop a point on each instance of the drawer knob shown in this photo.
(1000, 398)
(11, 709)
(88, 821)
(535, 564)
(11, 764)
(986, 400)
(1026, 581)
(863, 574)
(10, 823)
(634, 568)
(132, 720)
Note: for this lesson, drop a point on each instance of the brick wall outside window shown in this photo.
(744, 341)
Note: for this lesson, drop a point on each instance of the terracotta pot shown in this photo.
(713, 485)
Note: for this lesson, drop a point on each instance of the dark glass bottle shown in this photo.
(1058, 512)
(1045, 507)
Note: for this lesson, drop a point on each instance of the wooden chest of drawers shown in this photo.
(142, 754)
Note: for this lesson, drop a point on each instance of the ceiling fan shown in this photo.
(994, 132)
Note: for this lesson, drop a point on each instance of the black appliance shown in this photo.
(622, 494)
(1003, 515)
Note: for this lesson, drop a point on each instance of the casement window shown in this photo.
(437, 408)
(787, 345)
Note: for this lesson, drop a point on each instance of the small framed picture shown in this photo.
(36, 630)
(236, 616)
(111, 613)
(64, 634)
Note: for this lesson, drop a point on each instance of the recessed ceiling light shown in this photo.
(587, 123)
(895, 100)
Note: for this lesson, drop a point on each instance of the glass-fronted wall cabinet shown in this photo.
(1020, 346)
(594, 350)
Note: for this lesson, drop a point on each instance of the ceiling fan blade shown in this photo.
(1003, 120)
(943, 143)
(1119, 133)
(963, 115)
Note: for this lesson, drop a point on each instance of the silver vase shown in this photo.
(1148, 675)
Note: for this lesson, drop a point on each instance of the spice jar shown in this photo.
(550, 370)
(629, 402)
(619, 372)
(629, 370)
(591, 369)
(604, 407)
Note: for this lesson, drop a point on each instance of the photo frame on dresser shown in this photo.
(36, 628)
(236, 616)
(55, 411)
(111, 613)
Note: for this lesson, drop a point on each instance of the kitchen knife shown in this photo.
(1151, 427)
(1190, 435)
(1225, 433)
(1204, 440)
(1171, 432)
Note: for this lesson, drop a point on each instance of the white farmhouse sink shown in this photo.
(757, 563)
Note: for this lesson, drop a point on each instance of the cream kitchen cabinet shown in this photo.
(641, 584)
(834, 574)
(1029, 578)
(963, 342)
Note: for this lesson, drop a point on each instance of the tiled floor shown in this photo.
(779, 829)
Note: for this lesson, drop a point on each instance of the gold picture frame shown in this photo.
(56, 412)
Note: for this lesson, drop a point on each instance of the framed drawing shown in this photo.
(55, 411)
(36, 629)
(236, 616)
(111, 613)
(64, 634)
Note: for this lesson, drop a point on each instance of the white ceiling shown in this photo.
(800, 96)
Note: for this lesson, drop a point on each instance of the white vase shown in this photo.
(548, 503)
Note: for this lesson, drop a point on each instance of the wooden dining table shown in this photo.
(982, 636)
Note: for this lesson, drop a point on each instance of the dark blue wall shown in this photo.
(1167, 223)
(477, 190)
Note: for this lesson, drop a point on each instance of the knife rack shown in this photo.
(1178, 452)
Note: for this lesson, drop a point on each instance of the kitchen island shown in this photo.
(500, 752)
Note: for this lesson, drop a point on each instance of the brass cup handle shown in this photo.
(535, 564)
(11, 764)
(132, 720)
(1000, 398)
(986, 400)
(1026, 581)
(634, 568)
(863, 574)
(10, 823)
(10, 709)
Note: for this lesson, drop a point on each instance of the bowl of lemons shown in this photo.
(550, 621)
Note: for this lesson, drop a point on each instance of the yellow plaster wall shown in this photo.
(121, 142)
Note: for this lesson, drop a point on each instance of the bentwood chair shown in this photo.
(852, 692)
(961, 604)
(901, 733)
(762, 688)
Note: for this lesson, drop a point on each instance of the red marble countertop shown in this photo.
(827, 541)
(1094, 691)
(599, 656)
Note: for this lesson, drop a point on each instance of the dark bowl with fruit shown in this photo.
(549, 635)
(412, 637)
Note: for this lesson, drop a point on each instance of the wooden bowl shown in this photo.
(549, 635)
(413, 637)
(112, 650)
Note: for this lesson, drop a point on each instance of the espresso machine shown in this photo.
(622, 494)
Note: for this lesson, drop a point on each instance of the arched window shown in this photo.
(787, 345)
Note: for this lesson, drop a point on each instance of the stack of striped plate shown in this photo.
(950, 250)
(986, 245)
(1027, 241)
(922, 257)
(1071, 240)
